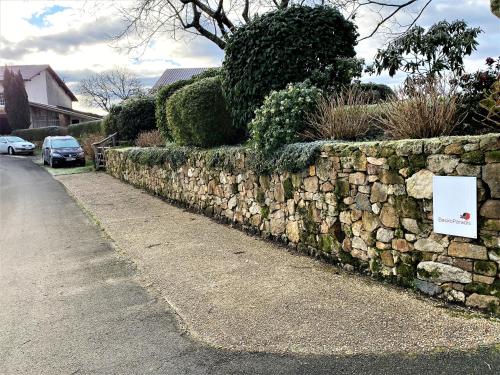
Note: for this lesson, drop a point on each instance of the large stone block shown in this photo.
(442, 163)
(491, 175)
(482, 302)
(442, 273)
(428, 245)
(467, 250)
(420, 185)
(490, 209)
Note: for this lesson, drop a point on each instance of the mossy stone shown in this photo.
(288, 188)
(473, 157)
(342, 188)
(326, 243)
(434, 274)
(405, 274)
(260, 196)
(264, 212)
(397, 162)
(296, 180)
(476, 287)
(407, 207)
(375, 265)
(493, 156)
(485, 267)
(385, 152)
(416, 162)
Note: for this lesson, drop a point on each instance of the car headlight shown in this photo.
(81, 154)
(56, 154)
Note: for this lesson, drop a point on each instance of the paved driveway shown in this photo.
(70, 304)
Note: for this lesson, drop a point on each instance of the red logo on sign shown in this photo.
(465, 216)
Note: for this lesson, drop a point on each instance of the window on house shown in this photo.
(75, 121)
(2, 99)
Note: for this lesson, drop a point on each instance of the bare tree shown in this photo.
(105, 88)
(216, 19)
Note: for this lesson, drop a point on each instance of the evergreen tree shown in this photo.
(16, 100)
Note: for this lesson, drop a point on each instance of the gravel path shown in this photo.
(238, 292)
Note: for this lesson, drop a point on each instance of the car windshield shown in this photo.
(64, 143)
(14, 139)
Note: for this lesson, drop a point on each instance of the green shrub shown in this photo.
(282, 118)
(166, 92)
(197, 115)
(170, 154)
(281, 47)
(376, 92)
(131, 117)
(89, 127)
(110, 122)
(39, 134)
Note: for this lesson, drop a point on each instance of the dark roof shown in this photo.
(178, 74)
(68, 111)
(30, 71)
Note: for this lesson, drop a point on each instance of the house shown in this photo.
(173, 75)
(50, 100)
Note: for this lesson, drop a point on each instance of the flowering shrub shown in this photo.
(283, 117)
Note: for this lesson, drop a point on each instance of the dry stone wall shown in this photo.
(366, 206)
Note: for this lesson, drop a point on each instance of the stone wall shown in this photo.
(366, 206)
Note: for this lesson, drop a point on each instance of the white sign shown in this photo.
(454, 205)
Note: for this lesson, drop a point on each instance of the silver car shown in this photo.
(12, 145)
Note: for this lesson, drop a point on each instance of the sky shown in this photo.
(74, 37)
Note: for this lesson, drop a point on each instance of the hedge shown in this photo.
(286, 46)
(198, 116)
(89, 127)
(39, 134)
(165, 92)
(131, 117)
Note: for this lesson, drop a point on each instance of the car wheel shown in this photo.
(82, 164)
(11, 151)
(44, 161)
(51, 163)
(31, 153)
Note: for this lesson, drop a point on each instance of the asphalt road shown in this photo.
(70, 304)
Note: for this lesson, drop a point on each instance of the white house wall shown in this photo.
(56, 95)
(37, 88)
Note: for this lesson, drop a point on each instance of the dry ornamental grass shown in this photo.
(152, 138)
(345, 115)
(421, 110)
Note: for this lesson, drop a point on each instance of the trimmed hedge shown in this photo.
(131, 117)
(197, 115)
(285, 46)
(39, 134)
(89, 127)
(110, 122)
(167, 91)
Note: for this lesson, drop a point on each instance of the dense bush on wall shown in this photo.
(131, 117)
(283, 116)
(281, 47)
(167, 91)
(110, 122)
(197, 115)
(89, 127)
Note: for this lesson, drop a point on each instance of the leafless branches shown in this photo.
(216, 19)
(103, 89)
